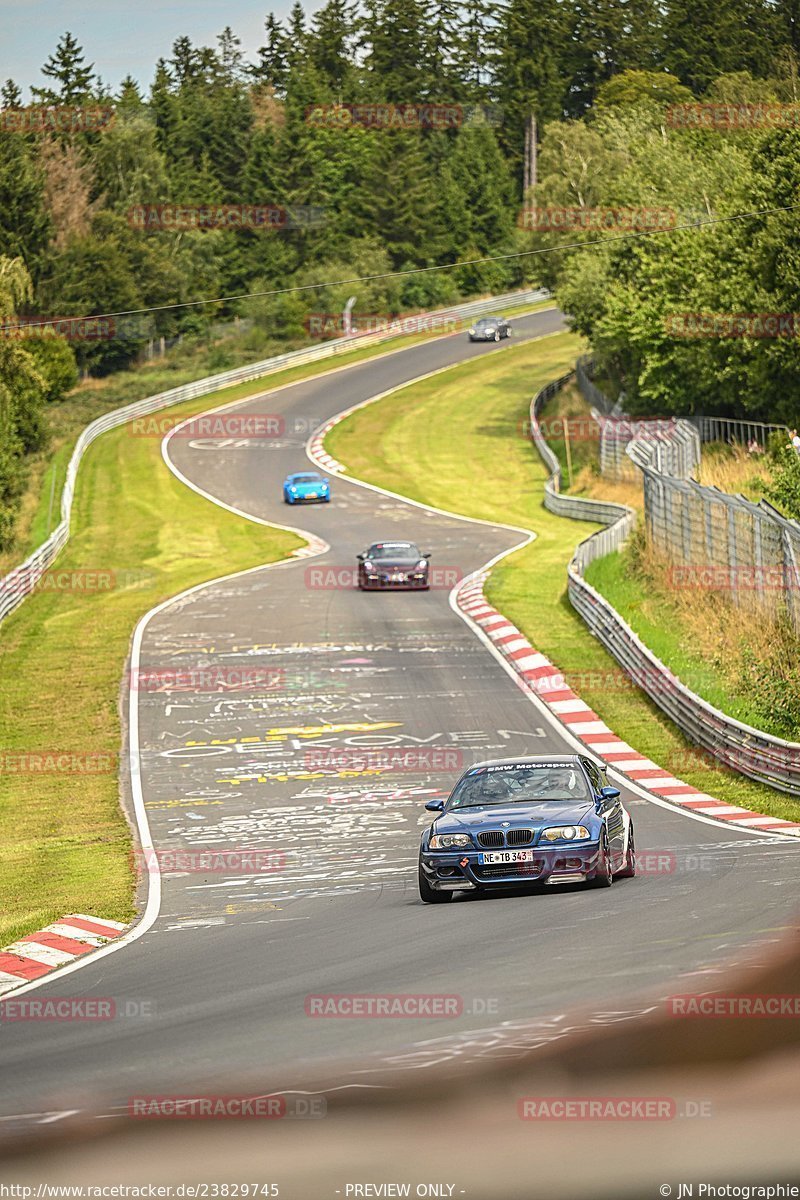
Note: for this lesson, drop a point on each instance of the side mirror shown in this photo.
(360, 557)
(610, 793)
(435, 805)
(426, 553)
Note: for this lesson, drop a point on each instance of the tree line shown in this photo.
(214, 128)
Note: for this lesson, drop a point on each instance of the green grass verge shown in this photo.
(453, 441)
(659, 624)
(64, 843)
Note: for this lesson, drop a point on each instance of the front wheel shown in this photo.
(497, 336)
(428, 895)
(628, 871)
(603, 876)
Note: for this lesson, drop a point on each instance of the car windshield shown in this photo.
(520, 785)
(486, 322)
(393, 550)
(306, 479)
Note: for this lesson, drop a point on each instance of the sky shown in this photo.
(123, 36)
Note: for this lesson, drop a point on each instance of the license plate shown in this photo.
(506, 856)
(311, 495)
(398, 577)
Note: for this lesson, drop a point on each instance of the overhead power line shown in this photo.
(470, 262)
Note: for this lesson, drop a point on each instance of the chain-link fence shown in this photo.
(752, 752)
(732, 431)
(718, 542)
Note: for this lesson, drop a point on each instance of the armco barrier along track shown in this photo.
(759, 755)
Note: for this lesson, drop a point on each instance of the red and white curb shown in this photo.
(316, 448)
(37, 954)
(540, 676)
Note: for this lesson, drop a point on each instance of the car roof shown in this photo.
(295, 474)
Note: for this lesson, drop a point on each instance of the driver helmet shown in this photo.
(494, 787)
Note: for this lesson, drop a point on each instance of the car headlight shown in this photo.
(472, 330)
(448, 841)
(421, 565)
(565, 833)
(368, 566)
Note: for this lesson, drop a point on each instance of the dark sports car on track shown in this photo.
(393, 566)
(489, 329)
(305, 486)
(533, 820)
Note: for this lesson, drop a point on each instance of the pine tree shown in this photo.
(272, 65)
(475, 50)
(396, 34)
(10, 95)
(297, 39)
(230, 56)
(72, 80)
(25, 227)
(441, 42)
(533, 67)
(707, 38)
(332, 34)
(185, 62)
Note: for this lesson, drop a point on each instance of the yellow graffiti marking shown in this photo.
(280, 733)
(288, 776)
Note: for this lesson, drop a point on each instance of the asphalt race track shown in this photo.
(215, 992)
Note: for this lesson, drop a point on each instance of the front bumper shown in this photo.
(315, 498)
(452, 871)
(386, 582)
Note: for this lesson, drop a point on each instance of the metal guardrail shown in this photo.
(19, 583)
(672, 450)
(604, 512)
(752, 752)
